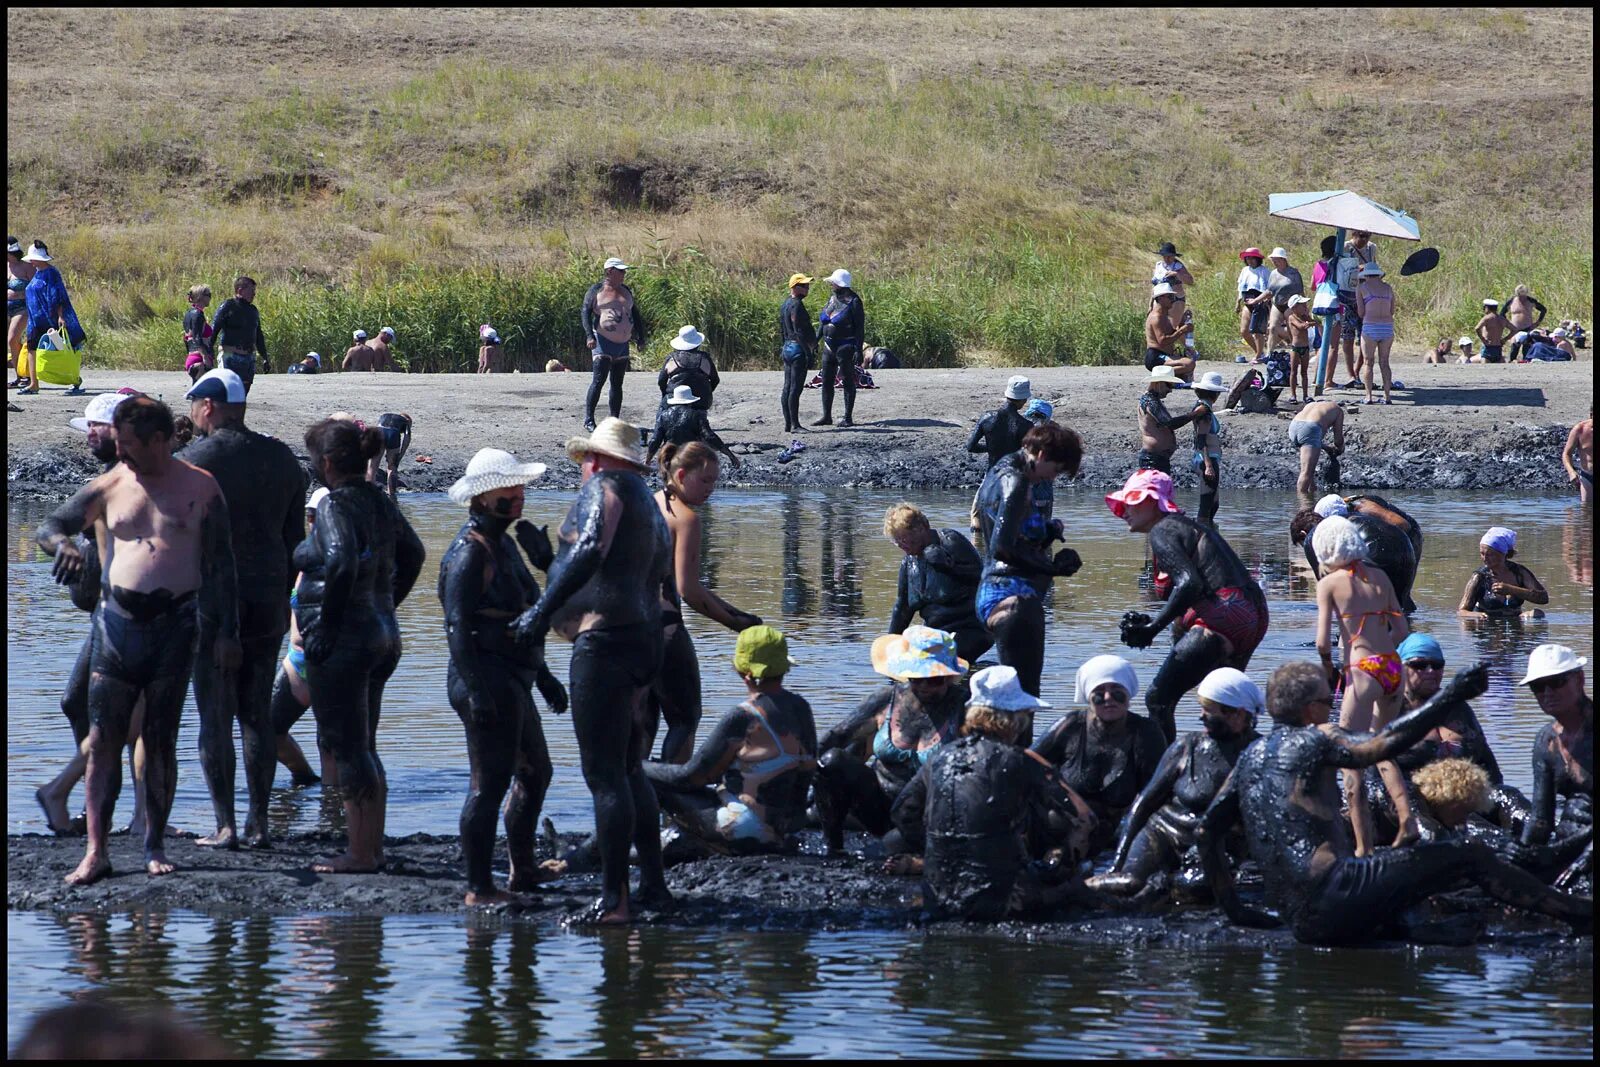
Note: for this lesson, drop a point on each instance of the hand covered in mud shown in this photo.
(535, 541)
(554, 693)
(743, 620)
(1138, 630)
(1469, 682)
(227, 653)
(317, 643)
(1067, 562)
(530, 627)
(68, 564)
(1056, 531)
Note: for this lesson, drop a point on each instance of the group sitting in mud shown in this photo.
(945, 764)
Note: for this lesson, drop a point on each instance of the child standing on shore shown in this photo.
(1300, 323)
(1207, 460)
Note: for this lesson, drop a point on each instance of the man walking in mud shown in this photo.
(162, 526)
(265, 490)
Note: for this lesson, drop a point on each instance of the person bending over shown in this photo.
(679, 422)
(1394, 548)
(938, 579)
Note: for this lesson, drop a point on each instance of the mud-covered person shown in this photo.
(999, 433)
(611, 321)
(681, 420)
(265, 489)
(842, 325)
(1501, 587)
(1283, 789)
(938, 579)
(1158, 437)
(236, 333)
(690, 364)
(1156, 837)
(161, 569)
(1161, 335)
(1308, 433)
(484, 584)
(291, 693)
(1563, 751)
(604, 596)
(799, 340)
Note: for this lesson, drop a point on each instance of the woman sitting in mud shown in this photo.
(1454, 796)
(1499, 588)
(1156, 837)
(870, 756)
(744, 789)
(1105, 757)
(1371, 625)
(972, 804)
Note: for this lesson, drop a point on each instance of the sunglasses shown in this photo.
(1425, 664)
(1116, 696)
(1539, 685)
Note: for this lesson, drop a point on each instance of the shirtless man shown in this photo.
(1283, 788)
(1577, 456)
(163, 533)
(1492, 331)
(1160, 333)
(489, 350)
(1308, 432)
(383, 349)
(361, 355)
(1171, 271)
(1375, 305)
(614, 555)
(1158, 438)
(1523, 313)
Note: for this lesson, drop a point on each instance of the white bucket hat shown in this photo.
(1166, 374)
(1298, 299)
(1164, 289)
(998, 688)
(318, 497)
(688, 337)
(1464, 342)
(1018, 387)
(387, 330)
(615, 264)
(1547, 661)
(315, 357)
(37, 255)
(840, 277)
(1372, 270)
(614, 438)
(101, 408)
(1278, 253)
(1232, 688)
(1489, 303)
(1211, 382)
(682, 394)
(493, 468)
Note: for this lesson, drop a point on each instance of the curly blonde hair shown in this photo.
(990, 722)
(1456, 783)
(902, 519)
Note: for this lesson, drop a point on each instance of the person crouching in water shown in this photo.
(744, 789)
(971, 806)
(938, 578)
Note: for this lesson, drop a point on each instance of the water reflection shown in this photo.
(842, 596)
(798, 596)
(1577, 545)
(502, 1016)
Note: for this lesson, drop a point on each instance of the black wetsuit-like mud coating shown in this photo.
(844, 324)
(675, 691)
(799, 338)
(1104, 763)
(999, 433)
(1389, 548)
(85, 594)
(360, 561)
(1555, 776)
(941, 583)
(612, 665)
(1284, 787)
(693, 368)
(483, 586)
(678, 424)
(265, 488)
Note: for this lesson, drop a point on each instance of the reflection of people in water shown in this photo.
(1577, 546)
(798, 596)
(841, 580)
(501, 1016)
(1500, 587)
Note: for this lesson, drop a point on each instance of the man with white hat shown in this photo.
(383, 349)
(483, 585)
(611, 322)
(1492, 331)
(605, 596)
(681, 419)
(1375, 304)
(842, 323)
(691, 365)
(1283, 282)
(265, 488)
(1161, 335)
(1563, 752)
(360, 356)
(1158, 437)
(1000, 432)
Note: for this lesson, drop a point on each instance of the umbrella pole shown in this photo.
(1327, 320)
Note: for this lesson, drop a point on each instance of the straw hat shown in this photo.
(682, 394)
(688, 338)
(493, 468)
(920, 652)
(1166, 374)
(614, 438)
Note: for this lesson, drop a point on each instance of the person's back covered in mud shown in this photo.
(938, 579)
(1390, 545)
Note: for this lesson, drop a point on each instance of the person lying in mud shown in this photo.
(1105, 757)
(95, 425)
(604, 596)
(969, 808)
(1500, 588)
(1390, 546)
(1453, 795)
(1219, 610)
(869, 757)
(744, 790)
(1156, 838)
(1017, 527)
(1283, 788)
(291, 693)
(359, 562)
(1563, 751)
(157, 573)
(938, 579)
(679, 421)
(483, 585)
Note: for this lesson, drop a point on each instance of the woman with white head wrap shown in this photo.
(1499, 588)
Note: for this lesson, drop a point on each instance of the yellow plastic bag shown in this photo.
(56, 361)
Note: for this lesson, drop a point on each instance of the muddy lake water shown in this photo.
(815, 564)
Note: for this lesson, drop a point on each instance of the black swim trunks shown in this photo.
(1155, 461)
(1154, 357)
(141, 639)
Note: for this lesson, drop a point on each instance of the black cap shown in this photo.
(1167, 249)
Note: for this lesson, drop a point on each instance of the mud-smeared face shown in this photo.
(1559, 694)
(503, 503)
(1222, 722)
(929, 691)
(1110, 702)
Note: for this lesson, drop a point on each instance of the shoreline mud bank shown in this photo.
(1456, 427)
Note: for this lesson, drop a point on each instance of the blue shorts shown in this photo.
(1377, 331)
(297, 660)
(1002, 587)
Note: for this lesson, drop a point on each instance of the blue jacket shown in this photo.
(45, 294)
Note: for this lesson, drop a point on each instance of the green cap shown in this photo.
(762, 653)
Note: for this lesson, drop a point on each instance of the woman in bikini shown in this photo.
(1370, 626)
(1499, 588)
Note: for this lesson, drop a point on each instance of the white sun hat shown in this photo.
(1018, 387)
(360, 335)
(614, 438)
(1166, 374)
(682, 394)
(688, 338)
(840, 277)
(318, 497)
(1332, 504)
(1547, 661)
(1211, 382)
(1464, 342)
(1278, 253)
(998, 688)
(615, 264)
(387, 330)
(101, 408)
(1164, 289)
(493, 468)
(1298, 299)
(37, 255)
(1372, 270)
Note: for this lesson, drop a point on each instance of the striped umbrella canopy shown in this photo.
(1345, 210)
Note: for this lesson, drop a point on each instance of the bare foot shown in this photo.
(156, 863)
(905, 864)
(93, 868)
(495, 898)
(344, 863)
(597, 914)
(654, 898)
(1408, 835)
(553, 868)
(256, 838)
(55, 812)
(225, 837)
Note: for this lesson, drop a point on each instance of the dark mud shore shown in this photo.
(802, 892)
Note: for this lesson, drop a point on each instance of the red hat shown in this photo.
(1247, 253)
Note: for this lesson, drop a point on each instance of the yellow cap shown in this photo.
(799, 279)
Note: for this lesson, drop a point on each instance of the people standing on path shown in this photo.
(490, 353)
(1520, 311)
(1170, 271)
(236, 332)
(1375, 303)
(160, 571)
(604, 596)
(842, 324)
(49, 307)
(265, 489)
(691, 365)
(938, 579)
(1207, 460)
(19, 273)
(1161, 335)
(484, 584)
(1577, 457)
(611, 322)
(1492, 331)
(1308, 432)
(1254, 301)
(1285, 283)
(799, 339)
(1158, 437)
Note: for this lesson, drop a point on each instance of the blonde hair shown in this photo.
(1453, 783)
(902, 519)
(1336, 542)
(990, 722)
(199, 294)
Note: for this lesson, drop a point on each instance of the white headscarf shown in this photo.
(1102, 669)
(1233, 688)
(1332, 504)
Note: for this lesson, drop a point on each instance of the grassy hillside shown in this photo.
(995, 179)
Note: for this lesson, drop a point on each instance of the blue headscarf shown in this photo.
(1420, 646)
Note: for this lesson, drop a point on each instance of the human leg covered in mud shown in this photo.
(245, 694)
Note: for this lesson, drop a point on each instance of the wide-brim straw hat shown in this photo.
(614, 438)
(493, 468)
(1166, 374)
(920, 652)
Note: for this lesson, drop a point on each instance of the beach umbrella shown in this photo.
(1344, 210)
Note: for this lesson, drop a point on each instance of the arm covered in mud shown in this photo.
(910, 811)
(1220, 817)
(954, 555)
(333, 538)
(710, 761)
(461, 581)
(294, 527)
(219, 585)
(1174, 544)
(979, 439)
(596, 514)
(1156, 792)
(1541, 819)
(855, 732)
(1358, 750)
(86, 590)
(57, 533)
(904, 609)
(409, 555)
